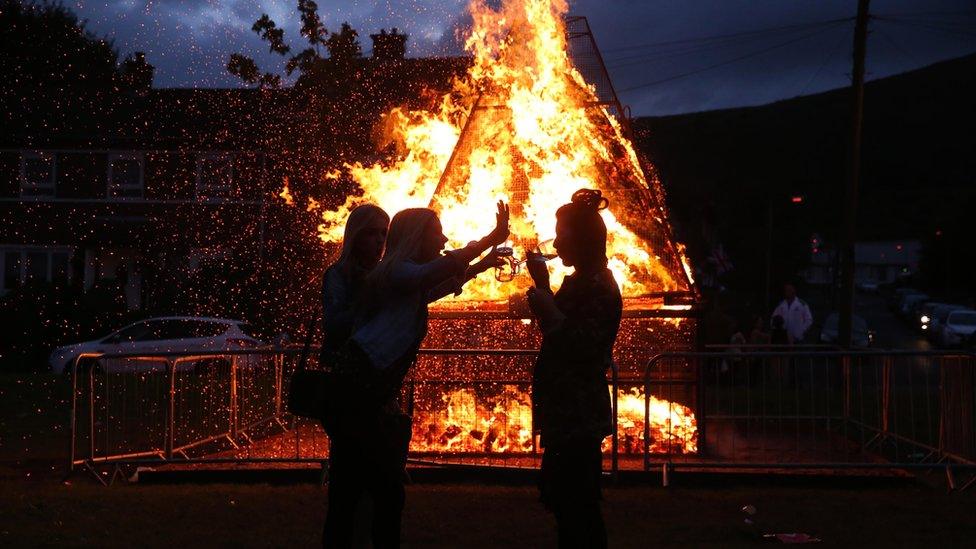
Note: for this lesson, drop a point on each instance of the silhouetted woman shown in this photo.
(390, 325)
(570, 398)
(363, 241)
(362, 247)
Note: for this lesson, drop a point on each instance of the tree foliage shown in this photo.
(343, 47)
(271, 34)
(57, 75)
(312, 27)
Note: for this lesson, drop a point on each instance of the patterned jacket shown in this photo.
(570, 398)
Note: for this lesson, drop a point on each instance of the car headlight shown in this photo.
(925, 319)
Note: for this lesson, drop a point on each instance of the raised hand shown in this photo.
(500, 233)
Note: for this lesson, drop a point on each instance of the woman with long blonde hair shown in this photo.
(390, 324)
(363, 241)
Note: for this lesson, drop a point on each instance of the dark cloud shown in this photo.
(189, 41)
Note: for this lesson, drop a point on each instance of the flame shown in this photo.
(285, 194)
(536, 132)
(465, 423)
(673, 427)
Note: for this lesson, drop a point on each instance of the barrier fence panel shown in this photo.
(821, 408)
(727, 409)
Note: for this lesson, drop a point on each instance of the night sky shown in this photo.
(662, 54)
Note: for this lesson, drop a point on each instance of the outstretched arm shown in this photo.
(496, 237)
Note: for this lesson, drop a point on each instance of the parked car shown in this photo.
(894, 300)
(931, 314)
(957, 327)
(163, 334)
(861, 336)
(908, 301)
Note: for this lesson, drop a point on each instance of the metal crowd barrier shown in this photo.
(824, 409)
(210, 407)
(801, 409)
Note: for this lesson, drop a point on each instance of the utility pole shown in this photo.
(768, 281)
(853, 175)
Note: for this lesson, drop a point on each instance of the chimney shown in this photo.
(389, 45)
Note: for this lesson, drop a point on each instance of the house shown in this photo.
(185, 179)
(876, 262)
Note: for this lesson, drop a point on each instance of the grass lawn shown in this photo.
(38, 510)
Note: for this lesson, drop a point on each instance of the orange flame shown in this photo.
(285, 194)
(463, 423)
(541, 134)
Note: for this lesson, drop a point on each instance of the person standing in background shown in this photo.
(795, 314)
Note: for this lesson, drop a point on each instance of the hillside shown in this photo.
(919, 161)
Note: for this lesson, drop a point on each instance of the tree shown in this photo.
(312, 27)
(344, 45)
(58, 76)
(247, 70)
(271, 34)
(343, 48)
(136, 73)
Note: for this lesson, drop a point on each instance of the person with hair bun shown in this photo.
(570, 398)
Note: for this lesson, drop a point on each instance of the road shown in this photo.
(891, 332)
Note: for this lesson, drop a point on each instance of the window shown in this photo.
(129, 333)
(125, 175)
(11, 270)
(180, 329)
(215, 175)
(159, 330)
(35, 270)
(963, 318)
(34, 264)
(37, 174)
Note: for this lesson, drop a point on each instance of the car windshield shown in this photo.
(964, 318)
(189, 328)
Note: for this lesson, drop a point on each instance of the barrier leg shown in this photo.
(72, 420)
(233, 398)
(171, 409)
(614, 442)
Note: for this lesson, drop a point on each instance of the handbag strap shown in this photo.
(309, 330)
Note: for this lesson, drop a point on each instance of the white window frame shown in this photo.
(30, 155)
(203, 193)
(23, 251)
(111, 187)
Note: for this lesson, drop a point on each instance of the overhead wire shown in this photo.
(729, 61)
(642, 58)
(923, 25)
(796, 26)
(911, 58)
(844, 37)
